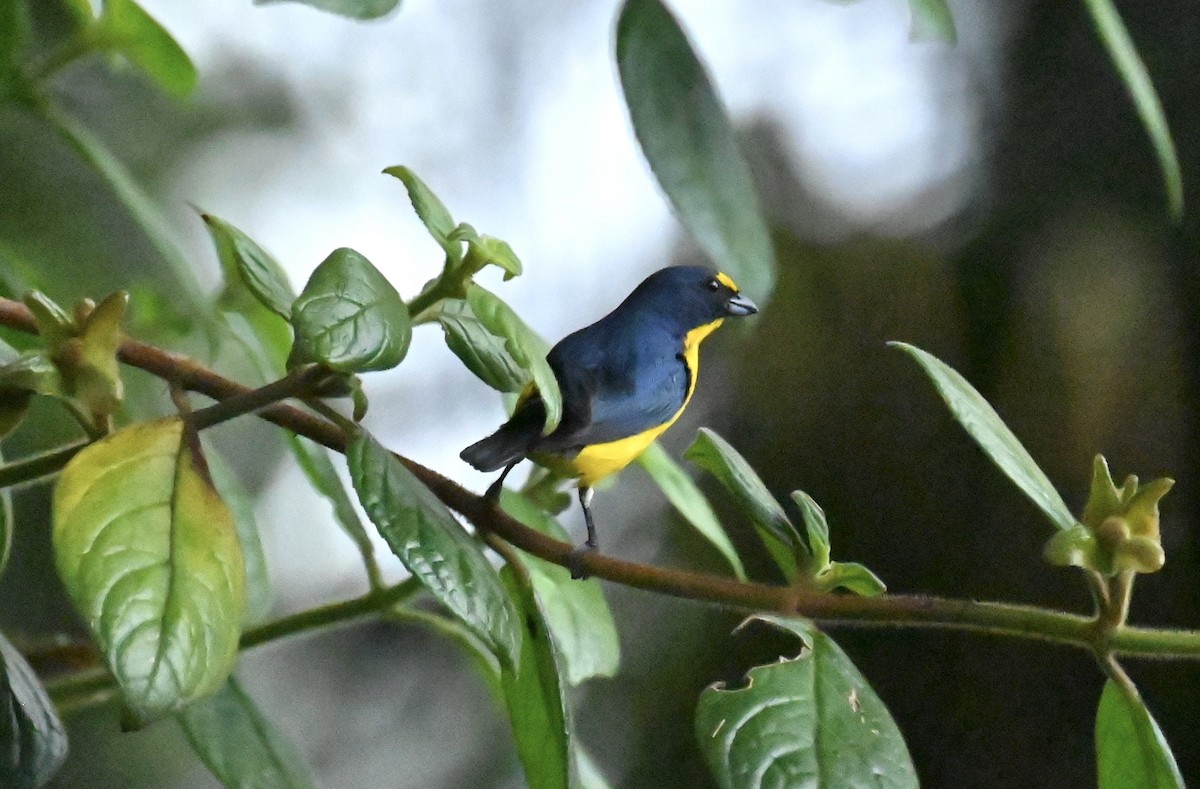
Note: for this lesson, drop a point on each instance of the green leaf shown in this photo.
(33, 742)
(931, 21)
(828, 575)
(126, 28)
(487, 251)
(241, 506)
(1075, 546)
(150, 556)
(690, 144)
(816, 527)
(534, 693)
(1131, 752)
(713, 454)
(576, 613)
(430, 210)
(31, 372)
(80, 361)
(993, 436)
(482, 352)
(240, 746)
(14, 400)
(319, 469)
(355, 9)
(525, 347)
(14, 33)
(7, 525)
(244, 260)
(433, 546)
(809, 721)
(349, 317)
(54, 325)
(1132, 71)
(94, 375)
(686, 498)
(851, 576)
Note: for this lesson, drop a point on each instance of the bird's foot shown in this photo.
(575, 560)
(492, 494)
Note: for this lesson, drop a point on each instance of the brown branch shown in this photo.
(889, 611)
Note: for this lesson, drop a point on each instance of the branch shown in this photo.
(1000, 619)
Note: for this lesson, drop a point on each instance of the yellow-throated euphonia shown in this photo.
(624, 380)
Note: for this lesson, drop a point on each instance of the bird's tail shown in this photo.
(512, 442)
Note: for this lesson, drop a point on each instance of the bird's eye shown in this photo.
(713, 285)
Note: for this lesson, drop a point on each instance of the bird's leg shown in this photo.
(493, 491)
(574, 558)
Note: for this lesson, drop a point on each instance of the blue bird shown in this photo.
(624, 380)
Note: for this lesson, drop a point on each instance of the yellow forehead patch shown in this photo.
(725, 280)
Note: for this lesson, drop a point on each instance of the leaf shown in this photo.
(1131, 752)
(430, 210)
(488, 251)
(687, 499)
(95, 376)
(14, 401)
(428, 540)
(149, 555)
(713, 454)
(1132, 71)
(54, 325)
(575, 612)
(534, 694)
(349, 317)
(993, 436)
(15, 27)
(482, 352)
(689, 142)
(245, 261)
(125, 27)
(241, 506)
(816, 528)
(319, 469)
(7, 525)
(32, 372)
(355, 9)
(79, 364)
(851, 576)
(240, 746)
(525, 347)
(33, 742)
(809, 721)
(931, 21)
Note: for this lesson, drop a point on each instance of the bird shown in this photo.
(624, 380)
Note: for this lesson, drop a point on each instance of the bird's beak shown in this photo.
(740, 305)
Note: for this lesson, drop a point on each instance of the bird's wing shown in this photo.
(614, 389)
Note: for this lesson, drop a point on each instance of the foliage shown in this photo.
(161, 560)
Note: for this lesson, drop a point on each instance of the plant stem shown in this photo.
(889, 611)
(296, 383)
(423, 302)
(95, 685)
(371, 603)
(35, 467)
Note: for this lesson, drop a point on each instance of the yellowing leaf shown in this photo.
(149, 554)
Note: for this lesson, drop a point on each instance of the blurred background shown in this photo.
(995, 202)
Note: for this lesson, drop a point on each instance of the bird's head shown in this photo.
(692, 296)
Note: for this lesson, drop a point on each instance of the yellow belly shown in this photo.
(597, 461)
